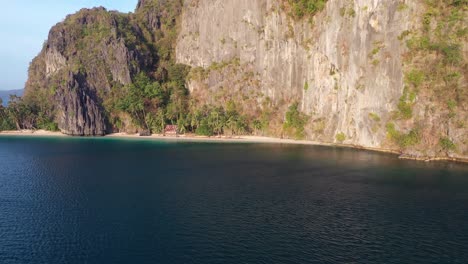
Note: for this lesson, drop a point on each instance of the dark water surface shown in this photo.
(129, 201)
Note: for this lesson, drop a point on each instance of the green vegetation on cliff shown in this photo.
(122, 66)
(412, 138)
(302, 8)
(151, 103)
(102, 72)
(435, 72)
(294, 122)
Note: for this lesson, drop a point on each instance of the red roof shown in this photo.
(171, 129)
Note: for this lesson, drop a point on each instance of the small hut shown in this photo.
(170, 130)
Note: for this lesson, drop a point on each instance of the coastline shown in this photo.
(29, 133)
(236, 139)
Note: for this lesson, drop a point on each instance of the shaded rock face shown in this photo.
(150, 16)
(157, 15)
(79, 108)
(84, 57)
(343, 68)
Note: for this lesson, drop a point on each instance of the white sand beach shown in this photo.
(193, 138)
(32, 133)
(227, 139)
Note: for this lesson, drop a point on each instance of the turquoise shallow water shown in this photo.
(78, 200)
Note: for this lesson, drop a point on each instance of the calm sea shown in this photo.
(76, 200)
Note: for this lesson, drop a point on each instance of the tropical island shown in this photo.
(294, 70)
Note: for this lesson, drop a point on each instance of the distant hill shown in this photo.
(5, 95)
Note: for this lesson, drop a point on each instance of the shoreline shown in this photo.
(236, 139)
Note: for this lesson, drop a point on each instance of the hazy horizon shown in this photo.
(25, 26)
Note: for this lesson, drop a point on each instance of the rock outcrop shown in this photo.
(359, 69)
(328, 66)
(84, 58)
(345, 66)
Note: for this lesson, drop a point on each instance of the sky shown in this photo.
(24, 26)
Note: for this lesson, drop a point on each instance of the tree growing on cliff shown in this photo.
(294, 122)
(140, 99)
(146, 99)
(301, 8)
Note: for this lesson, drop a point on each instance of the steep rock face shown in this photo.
(375, 73)
(84, 57)
(347, 67)
(79, 110)
(341, 69)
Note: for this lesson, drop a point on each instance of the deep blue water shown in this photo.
(78, 200)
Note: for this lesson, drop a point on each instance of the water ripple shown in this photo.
(111, 201)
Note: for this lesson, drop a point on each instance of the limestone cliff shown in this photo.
(345, 65)
(83, 58)
(379, 74)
